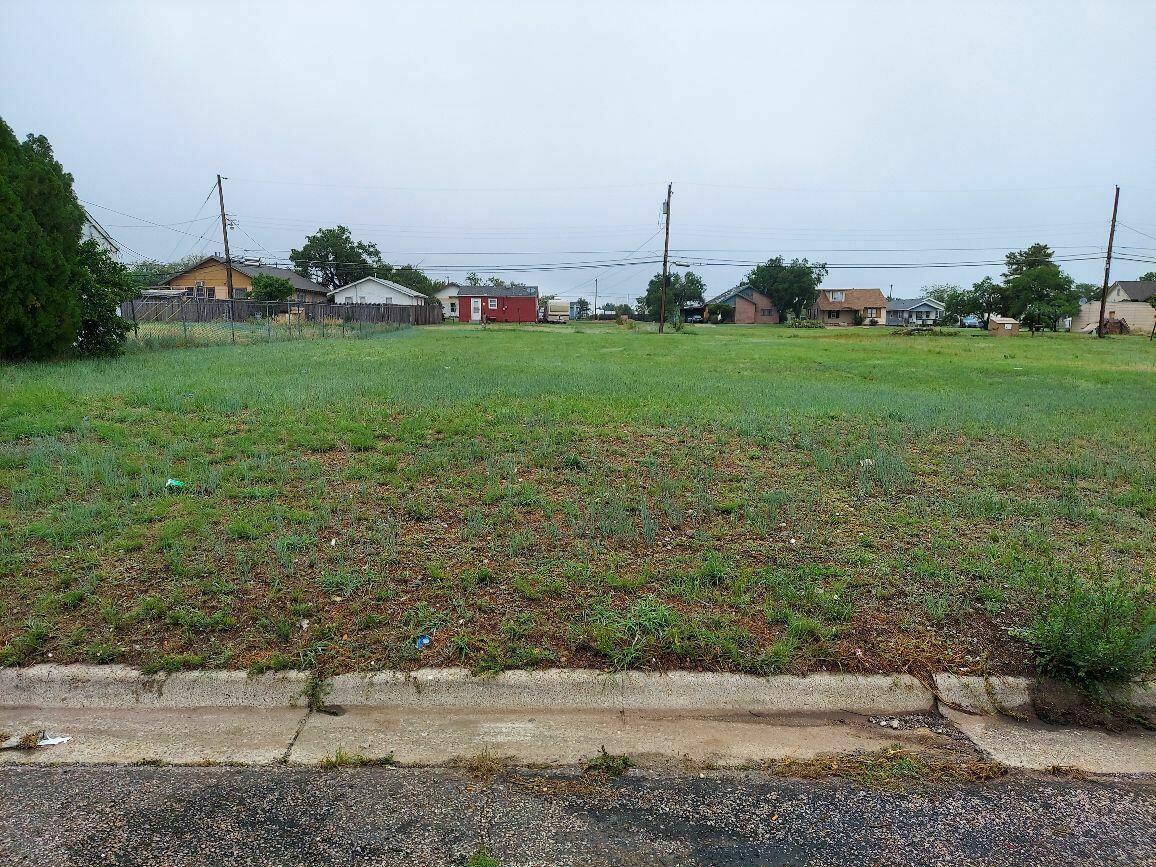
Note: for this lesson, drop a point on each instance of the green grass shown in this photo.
(739, 498)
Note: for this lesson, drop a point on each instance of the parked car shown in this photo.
(971, 321)
(694, 318)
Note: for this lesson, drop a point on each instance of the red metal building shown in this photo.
(498, 304)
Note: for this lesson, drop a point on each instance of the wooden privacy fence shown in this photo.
(223, 310)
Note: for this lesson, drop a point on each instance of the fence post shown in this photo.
(132, 309)
(185, 323)
(233, 320)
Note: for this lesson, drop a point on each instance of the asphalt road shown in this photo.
(380, 815)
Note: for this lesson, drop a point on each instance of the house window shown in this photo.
(453, 307)
(492, 303)
(831, 314)
(872, 311)
(388, 299)
(765, 311)
(347, 300)
(835, 296)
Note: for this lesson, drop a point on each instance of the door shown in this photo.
(475, 309)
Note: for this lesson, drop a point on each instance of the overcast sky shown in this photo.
(512, 134)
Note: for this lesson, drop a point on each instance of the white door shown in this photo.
(475, 309)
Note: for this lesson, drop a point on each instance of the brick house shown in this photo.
(751, 306)
(850, 307)
(497, 304)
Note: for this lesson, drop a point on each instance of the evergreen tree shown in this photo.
(40, 223)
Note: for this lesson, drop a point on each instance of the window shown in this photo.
(388, 299)
(832, 314)
(348, 299)
(453, 307)
(766, 311)
(492, 303)
(872, 311)
(835, 296)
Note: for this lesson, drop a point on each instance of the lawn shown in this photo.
(757, 499)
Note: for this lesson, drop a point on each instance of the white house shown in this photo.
(94, 231)
(448, 296)
(374, 290)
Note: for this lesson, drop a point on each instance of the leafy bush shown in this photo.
(266, 287)
(103, 284)
(798, 322)
(1094, 634)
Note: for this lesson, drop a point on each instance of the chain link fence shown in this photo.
(188, 321)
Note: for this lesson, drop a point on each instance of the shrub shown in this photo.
(103, 284)
(266, 287)
(1094, 634)
(798, 322)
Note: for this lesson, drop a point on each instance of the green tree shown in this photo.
(1088, 291)
(682, 291)
(957, 302)
(988, 298)
(544, 301)
(411, 278)
(1019, 261)
(792, 287)
(1041, 296)
(332, 258)
(582, 307)
(623, 309)
(102, 284)
(266, 287)
(40, 223)
(473, 279)
(150, 272)
(1150, 277)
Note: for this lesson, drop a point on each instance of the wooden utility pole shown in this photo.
(225, 236)
(665, 256)
(1108, 264)
(595, 299)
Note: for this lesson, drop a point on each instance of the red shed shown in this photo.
(498, 304)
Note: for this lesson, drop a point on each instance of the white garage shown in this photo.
(374, 290)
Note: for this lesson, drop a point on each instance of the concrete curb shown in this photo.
(118, 686)
(632, 690)
(1019, 696)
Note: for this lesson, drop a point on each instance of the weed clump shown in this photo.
(1094, 635)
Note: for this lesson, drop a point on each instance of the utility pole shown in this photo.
(1108, 264)
(595, 299)
(665, 256)
(225, 236)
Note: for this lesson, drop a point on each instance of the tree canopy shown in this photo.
(1041, 296)
(792, 287)
(582, 308)
(332, 258)
(1019, 261)
(1150, 277)
(150, 272)
(682, 290)
(40, 223)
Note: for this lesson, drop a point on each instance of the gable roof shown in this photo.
(912, 303)
(853, 299)
(389, 284)
(300, 284)
(99, 229)
(485, 291)
(1136, 290)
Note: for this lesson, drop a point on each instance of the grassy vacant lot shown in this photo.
(760, 499)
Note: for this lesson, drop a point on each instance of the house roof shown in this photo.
(484, 291)
(741, 291)
(389, 284)
(1136, 290)
(912, 303)
(100, 230)
(853, 299)
(300, 284)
